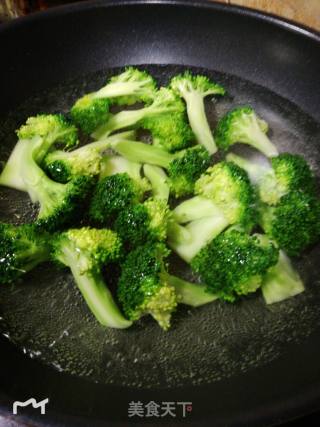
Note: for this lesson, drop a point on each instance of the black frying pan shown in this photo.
(243, 364)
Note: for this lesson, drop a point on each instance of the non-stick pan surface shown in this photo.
(239, 365)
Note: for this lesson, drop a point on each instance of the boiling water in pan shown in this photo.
(46, 317)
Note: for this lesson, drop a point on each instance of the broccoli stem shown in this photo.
(187, 241)
(10, 176)
(94, 291)
(191, 294)
(198, 120)
(254, 170)
(260, 141)
(195, 208)
(144, 153)
(111, 165)
(281, 281)
(158, 180)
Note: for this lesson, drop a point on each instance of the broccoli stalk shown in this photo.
(191, 294)
(244, 126)
(281, 281)
(85, 251)
(49, 129)
(286, 172)
(193, 89)
(22, 248)
(183, 167)
(159, 181)
(164, 117)
(92, 110)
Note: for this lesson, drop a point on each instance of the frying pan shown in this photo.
(243, 364)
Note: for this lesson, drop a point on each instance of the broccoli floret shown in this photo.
(244, 126)
(183, 168)
(143, 287)
(59, 203)
(294, 223)
(142, 222)
(86, 251)
(287, 172)
(92, 110)
(62, 166)
(186, 169)
(234, 264)
(113, 194)
(224, 197)
(281, 281)
(193, 89)
(48, 130)
(22, 248)
(159, 181)
(172, 134)
(89, 113)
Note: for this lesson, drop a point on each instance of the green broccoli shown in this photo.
(92, 110)
(287, 172)
(143, 287)
(234, 264)
(159, 181)
(193, 89)
(244, 126)
(281, 281)
(164, 117)
(59, 203)
(294, 222)
(86, 251)
(141, 222)
(224, 197)
(111, 195)
(183, 167)
(22, 249)
(47, 130)
(63, 166)
(193, 294)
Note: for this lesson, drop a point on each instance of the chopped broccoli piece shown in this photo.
(48, 129)
(244, 126)
(92, 110)
(62, 166)
(193, 294)
(183, 168)
(22, 249)
(85, 251)
(111, 195)
(281, 281)
(142, 222)
(225, 197)
(143, 287)
(287, 172)
(193, 89)
(294, 223)
(159, 181)
(186, 169)
(234, 264)
(164, 117)
(59, 203)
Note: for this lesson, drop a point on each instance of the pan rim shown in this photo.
(287, 24)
